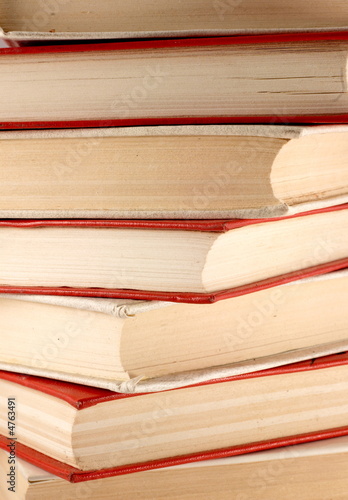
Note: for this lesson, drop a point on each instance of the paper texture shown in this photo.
(124, 308)
(273, 131)
(269, 212)
(277, 131)
(140, 385)
(113, 35)
(317, 448)
(119, 308)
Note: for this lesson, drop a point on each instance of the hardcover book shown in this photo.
(139, 346)
(80, 433)
(301, 471)
(275, 78)
(172, 259)
(211, 171)
(105, 19)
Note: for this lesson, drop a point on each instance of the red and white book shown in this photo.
(172, 260)
(80, 433)
(277, 78)
(173, 172)
(303, 470)
(148, 346)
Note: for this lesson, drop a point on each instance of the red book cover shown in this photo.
(81, 397)
(218, 226)
(275, 117)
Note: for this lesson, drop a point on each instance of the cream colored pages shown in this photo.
(270, 131)
(138, 385)
(326, 447)
(73, 19)
(123, 308)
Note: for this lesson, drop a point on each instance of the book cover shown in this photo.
(203, 172)
(276, 115)
(204, 226)
(80, 397)
(62, 21)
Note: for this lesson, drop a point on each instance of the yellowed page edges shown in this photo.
(140, 385)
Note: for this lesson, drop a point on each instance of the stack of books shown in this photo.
(174, 251)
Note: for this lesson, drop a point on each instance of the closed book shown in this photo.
(147, 346)
(63, 20)
(310, 471)
(175, 260)
(80, 433)
(193, 171)
(271, 78)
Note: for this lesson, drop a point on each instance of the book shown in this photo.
(82, 433)
(171, 257)
(307, 471)
(115, 19)
(139, 346)
(211, 171)
(282, 78)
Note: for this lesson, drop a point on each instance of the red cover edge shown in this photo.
(205, 225)
(181, 297)
(319, 36)
(185, 120)
(187, 225)
(172, 43)
(74, 475)
(82, 397)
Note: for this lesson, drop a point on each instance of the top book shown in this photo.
(64, 19)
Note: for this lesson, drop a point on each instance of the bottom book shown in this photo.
(311, 471)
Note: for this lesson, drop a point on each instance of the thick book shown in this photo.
(193, 171)
(308, 471)
(275, 78)
(61, 20)
(188, 260)
(80, 433)
(147, 346)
